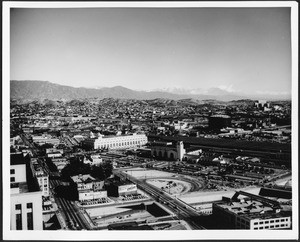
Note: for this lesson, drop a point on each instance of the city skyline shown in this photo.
(234, 49)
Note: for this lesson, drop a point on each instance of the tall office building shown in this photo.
(25, 195)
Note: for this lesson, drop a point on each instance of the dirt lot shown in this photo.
(171, 186)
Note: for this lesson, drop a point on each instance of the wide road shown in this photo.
(184, 212)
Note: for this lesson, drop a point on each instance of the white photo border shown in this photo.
(144, 235)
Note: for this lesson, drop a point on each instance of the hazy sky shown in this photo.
(237, 49)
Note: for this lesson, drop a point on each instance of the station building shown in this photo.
(167, 150)
(116, 142)
(26, 212)
(248, 211)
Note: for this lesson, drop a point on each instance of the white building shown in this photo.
(117, 142)
(93, 160)
(252, 212)
(26, 211)
(42, 178)
(44, 139)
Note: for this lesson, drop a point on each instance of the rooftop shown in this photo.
(18, 159)
(83, 178)
(18, 187)
(220, 116)
(253, 207)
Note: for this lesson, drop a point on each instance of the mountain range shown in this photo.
(32, 90)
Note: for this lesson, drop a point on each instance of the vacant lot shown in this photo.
(142, 173)
(171, 186)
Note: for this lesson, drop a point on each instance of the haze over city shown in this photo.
(244, 50)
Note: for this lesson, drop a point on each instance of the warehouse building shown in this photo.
(219, 121)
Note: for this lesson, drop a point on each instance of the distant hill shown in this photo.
(32, 90)
(37, 90)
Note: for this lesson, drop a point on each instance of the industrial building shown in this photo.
(248, 211)
(26, 212)
(219, 121)
(121, 188)
(116, 142)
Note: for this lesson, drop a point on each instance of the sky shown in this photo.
(244, 50)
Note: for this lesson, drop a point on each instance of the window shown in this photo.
(282, 225)
(277, 225)
(261, 227)
(12, 171)
(12, 179)
(282, 220)
(19, 221)
(272, 226)
(29, 221)
(255, 228)
(266, 222)
(272, 221)
(277, 220)
(29, 205)
(266, 227)
(261, 222)
(18, 206)
(256, 223)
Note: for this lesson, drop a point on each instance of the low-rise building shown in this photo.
(121, 188)
(92, 160)
(41, 176)
(45, 139)
(89, 188)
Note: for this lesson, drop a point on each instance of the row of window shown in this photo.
(120, 144)
(243, 221)
(271, 226)
(272, 221)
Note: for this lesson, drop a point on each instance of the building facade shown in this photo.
(117, 142)
(41, 176)
(168, 151)
(89, 188)
(26, 212)
(121, 188)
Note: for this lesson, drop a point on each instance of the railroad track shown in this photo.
(181, 210)
(74, 217)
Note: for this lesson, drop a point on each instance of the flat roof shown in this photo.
(83, 178)
(17, 159)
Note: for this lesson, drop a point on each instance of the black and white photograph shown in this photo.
(150, 121)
